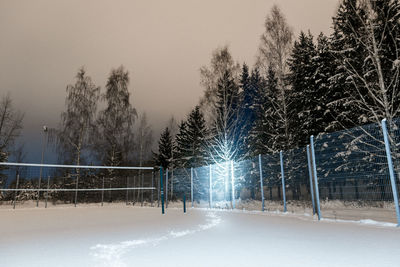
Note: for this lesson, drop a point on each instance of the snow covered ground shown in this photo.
(120, 235)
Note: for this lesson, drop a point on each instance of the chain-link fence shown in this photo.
(351, 179)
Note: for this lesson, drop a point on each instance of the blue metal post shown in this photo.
(261, 182)
(210, 189)
(233, 185)
(314, 167)
(162, 190)
(191, 186)
(391, 170)
(310, 175)
(184, 203)
(166, 189)
(283, 182)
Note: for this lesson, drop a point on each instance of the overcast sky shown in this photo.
(162, 44)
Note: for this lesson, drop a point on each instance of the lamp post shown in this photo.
(45, 129)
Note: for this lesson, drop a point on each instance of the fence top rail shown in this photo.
(73, 166)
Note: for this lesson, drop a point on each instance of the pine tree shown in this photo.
(181, 146)
(306, 105)
(196, 136)
(345, 49)
(164, 156)
(324, 63)
(256, 135)
(246, 114)
(275, 136)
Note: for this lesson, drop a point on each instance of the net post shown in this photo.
(162, 190)
(184, 203)
(166, 188)
(191, 186)
(102, 193)
(127, 191)
(152, 185)
(40, 182)
(261, 183)
(233, 185)
(314, 167)
(76, 188)
(158, 193)
(16, 191)
(210, 182)
(141, 190)
(47, 191)
(310, 176)
(283, 181)
(391, 170)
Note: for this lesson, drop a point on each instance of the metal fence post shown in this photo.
(166, 188)
(391, 170)
(233, 185)
(47, 191)
(102, 193)
(16, 191)
(141, 190)
(314, 167)
(127, 191)
(210, 189)
(283, 182)
(152, 185)
(191, 186)
(76, 188)
(162, 191)
(310, 176)
(261, 182)
(184, 203)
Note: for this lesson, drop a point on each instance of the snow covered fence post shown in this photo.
(283, 182)
(233, 185)
(210, 189)
(391, 171)
(261, 182)
(191, 185)
(314, 167)
(162, 190)
(166, 188)
(310, 175)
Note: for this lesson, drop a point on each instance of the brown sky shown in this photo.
(162, 43)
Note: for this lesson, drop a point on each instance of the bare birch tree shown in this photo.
(10, 129)
(221, 61)
(78, 118)
(274, 50)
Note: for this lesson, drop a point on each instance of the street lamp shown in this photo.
(45, 129)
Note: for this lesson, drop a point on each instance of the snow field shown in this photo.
(133, 236)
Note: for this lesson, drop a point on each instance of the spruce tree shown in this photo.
(164, 156)
(181, 146)
(196, 137)
(246, 113)
(305, 104)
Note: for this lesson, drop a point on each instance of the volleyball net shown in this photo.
(42, 184)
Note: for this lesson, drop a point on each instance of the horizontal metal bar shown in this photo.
(73, 166)
(79, 189)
